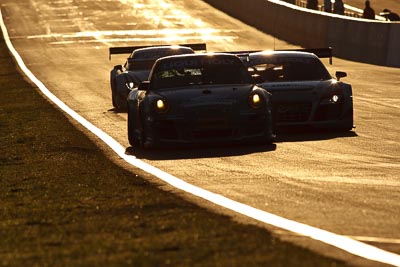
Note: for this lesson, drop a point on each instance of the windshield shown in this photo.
(199, 71)
(290, 69)
(143, 59)
(140, 64)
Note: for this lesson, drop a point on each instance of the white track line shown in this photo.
(345, 243)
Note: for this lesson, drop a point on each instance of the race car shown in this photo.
(138, 65)
(198, 99)
(303, 92)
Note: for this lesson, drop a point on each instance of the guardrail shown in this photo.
(349, 11)
(375, 42)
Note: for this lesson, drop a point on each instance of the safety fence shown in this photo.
(375, 42)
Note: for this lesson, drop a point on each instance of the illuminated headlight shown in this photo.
(161, 106)
(130, 85)
(256, 100)
(335, 98)
(332, 99)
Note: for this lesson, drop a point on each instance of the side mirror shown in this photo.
(144, 86)
(340, 74)
(118, 67)
(257, 78)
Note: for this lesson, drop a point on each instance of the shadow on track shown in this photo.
(118, 110)
(217, 151)
(303, 135)
(193, 152)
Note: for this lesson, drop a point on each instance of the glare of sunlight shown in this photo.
(267, 52)
(199, 23)
(138, 6)
(163, 4)
(170, 34)
(165, 35)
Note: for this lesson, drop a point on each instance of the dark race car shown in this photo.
(195, 99)
(137, 67)
(303, 91)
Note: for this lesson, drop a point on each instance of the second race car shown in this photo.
(303, 91)
(200, 98)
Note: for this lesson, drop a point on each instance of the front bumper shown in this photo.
(222, 129)
(314, 115)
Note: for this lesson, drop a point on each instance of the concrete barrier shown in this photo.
(393, 55)
(375, 42)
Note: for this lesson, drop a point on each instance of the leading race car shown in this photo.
(137, 67)
(195, 99)
(303, 91)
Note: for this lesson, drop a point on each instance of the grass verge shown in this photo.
(63, 203)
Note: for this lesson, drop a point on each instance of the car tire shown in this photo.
(347, 125)
(132, 138)
(121, 103)
(346, 128)
(114, 96)
(269, 139)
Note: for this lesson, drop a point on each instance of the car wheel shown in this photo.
(121, 103)
(268, 139)
(132, 138)
(114, 97)
(145, 143)
(346, 128)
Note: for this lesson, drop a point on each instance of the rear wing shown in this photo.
(319, 52)
(130, 49)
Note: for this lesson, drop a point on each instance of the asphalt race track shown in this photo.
(345, 183)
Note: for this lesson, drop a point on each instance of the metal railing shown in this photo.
(348, 11)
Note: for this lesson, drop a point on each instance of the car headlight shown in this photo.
(130, 85)
(256, 100)
(335, 98)
(333, 94)
(161, 106)
(332, 99)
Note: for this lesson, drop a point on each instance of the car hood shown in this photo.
(297, 91)
(203, 93)
(206, 96)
